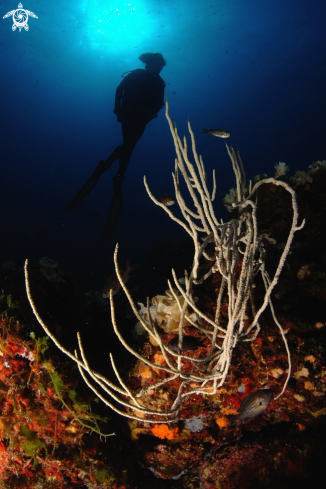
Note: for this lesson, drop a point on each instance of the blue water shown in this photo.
(255, 68)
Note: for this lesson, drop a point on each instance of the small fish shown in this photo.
(253, 404)
(167, 199)
(113, 281)
(219, 133)
(188, 343)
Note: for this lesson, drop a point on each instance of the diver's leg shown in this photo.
(131, 133)
(94, 178)
(132, 130)
(115, 155)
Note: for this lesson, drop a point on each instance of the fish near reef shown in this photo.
(167, 199)
(253, 405)
(188, 343)
(113, 281)
(219, 133)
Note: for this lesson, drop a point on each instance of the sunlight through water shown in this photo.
(118, 25)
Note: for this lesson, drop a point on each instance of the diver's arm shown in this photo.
(118, 97)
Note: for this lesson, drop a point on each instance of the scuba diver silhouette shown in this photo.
(138, 99)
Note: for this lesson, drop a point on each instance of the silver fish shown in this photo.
(219, 133)
(113, 281)
(167, 199)
(253, 405)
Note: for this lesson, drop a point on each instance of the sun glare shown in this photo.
(119, 24)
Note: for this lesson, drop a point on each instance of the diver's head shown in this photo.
(154, 62)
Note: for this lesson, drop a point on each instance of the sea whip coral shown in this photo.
(239, 255)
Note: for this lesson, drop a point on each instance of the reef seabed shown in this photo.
(283, 445)
(44, 426)
(42, 444)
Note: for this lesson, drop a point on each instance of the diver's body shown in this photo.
(139, 97)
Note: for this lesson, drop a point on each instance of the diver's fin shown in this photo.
(115, 207)
(89, 185)
(83, 192)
